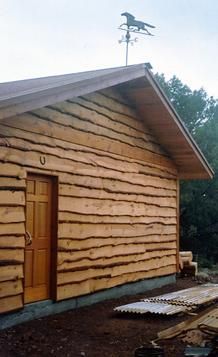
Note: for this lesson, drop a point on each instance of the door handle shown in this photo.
(28, 238)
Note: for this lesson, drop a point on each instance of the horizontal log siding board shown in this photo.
(41, 143)
(10, 288)
(116, 270)
(11, 214)
(101, 124)
(101, 194)
(103, 263)
(12, 229)
(85, 263)
(117, 195)
(88, 286)
(116, 121)
(109, 251)
(83, 231)
(105, 102)
(115, 94)
(11, 183)
(116, 185)
(109, 207)
(46, 126)
(10, 256)
(12, 170)
(66, 165)
(12, 241)
(12, 198)
(11, 272)
(146, 243)
(69, 217)
(11, 303)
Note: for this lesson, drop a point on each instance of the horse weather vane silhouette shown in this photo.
(135, 26)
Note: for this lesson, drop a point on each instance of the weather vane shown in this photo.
(135, 26)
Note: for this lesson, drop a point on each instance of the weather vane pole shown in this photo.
(135, 26)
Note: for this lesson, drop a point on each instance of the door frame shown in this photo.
(54, 230)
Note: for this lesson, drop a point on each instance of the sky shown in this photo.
(49, 37)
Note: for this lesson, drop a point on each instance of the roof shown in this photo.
(135, 82)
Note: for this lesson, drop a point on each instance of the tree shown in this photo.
(199, 204)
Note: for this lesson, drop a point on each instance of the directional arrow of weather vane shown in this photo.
(135, 26)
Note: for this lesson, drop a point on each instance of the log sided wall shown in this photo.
(117, 203)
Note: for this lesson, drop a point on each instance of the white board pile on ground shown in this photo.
(173, 303)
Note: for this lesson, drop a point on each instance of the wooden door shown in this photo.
(37, 272)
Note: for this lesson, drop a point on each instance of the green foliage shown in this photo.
(204, 262)
(199, 198)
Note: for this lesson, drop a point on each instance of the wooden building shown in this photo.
(89, 183)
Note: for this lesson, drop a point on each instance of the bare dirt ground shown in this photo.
(93, 331)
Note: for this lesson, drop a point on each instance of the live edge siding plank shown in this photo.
(117, 211)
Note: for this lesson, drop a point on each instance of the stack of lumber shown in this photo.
(205, 321)
(187, 266)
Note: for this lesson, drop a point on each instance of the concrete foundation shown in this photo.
(48, 307)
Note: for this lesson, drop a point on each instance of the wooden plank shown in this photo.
(117, 185)
(74, 191)
(131, 277)
(129, 267)
(85, 124)
(86, 263)
(25, 139)
(115, 94)
(109, 207)
(104, 162)
(81, 157)
(13, 255)
(10, 288)
(84, 118)
(12, 170)
(85, 138)
(12, 198)
(11, 214)
(12, 229)
(149, 243)
(69, 217)
(83, 231)
(119, 122)
(89, 286)
(113, 105)
(12, 182)
(109, 251)
(11, 272)
(12, 241)
(11, 303)
(66, 165)
(137, 179)
(77, 276)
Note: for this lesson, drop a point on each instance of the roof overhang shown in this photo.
(164, 122)
(137, 83)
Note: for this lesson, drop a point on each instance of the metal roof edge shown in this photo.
(47, 95)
